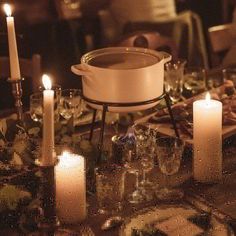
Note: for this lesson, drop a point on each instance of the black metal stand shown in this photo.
(106, 105)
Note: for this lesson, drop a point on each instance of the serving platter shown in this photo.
(174, 220)
(160, 120)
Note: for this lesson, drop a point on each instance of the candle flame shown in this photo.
(46, 82)
(7, 9)
(208, 97)
(65, 154)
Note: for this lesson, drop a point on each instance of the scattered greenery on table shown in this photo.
(20, 145)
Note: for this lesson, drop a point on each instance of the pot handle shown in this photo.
(166, 56)
(78, 70)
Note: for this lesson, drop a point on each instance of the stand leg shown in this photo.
(100, 143)
(167, 100)
(92, 125)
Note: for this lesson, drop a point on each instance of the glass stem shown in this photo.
(166, 186)
(144, 176)
(116, 127)
(137, 180)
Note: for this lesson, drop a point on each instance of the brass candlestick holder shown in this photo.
(17, 94)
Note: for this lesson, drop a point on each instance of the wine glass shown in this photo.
(57, 96)
(132, 166)
(195, 80)
(230, 74)
(124, 152)
(169, 155)
(174, 73)
(36, 107)
(70, 104)
(36, 103)
(145, 150)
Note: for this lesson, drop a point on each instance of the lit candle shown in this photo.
(207, 136)
(48, 123)
(70, 188)
(14, 60)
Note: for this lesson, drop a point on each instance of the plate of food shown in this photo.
(183, 114)
(172, 220)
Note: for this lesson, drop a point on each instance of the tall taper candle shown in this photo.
(13, 53)
(207, 135)
(48, 123)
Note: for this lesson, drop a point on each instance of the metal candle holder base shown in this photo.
(17, 94)
(106, 105)
(48, 193)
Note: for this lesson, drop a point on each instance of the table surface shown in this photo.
(219, 196)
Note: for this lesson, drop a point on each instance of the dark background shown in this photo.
(40, 29)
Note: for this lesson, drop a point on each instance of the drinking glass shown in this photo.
(230, 74)
(169, 155)
(36, 104)
(145, 151)
(195, 80)
(70, 104)
(174, 72)
(72, 4)
(57, 91)
(109, 188)
(36, 107)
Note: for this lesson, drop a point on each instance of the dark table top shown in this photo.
(219, 196)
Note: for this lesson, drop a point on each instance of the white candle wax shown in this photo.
(207, 135)
(13, 53)
(70, 188)
(48, 124)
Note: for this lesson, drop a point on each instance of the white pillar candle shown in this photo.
(207, 136)
(13, 53)
(48, 123)
(70, 188)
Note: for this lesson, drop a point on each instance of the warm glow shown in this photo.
(7, 9)
(208, 97)
(46, 82)
(65, 154)
(69, 160)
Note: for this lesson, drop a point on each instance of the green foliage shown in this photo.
(10, 196)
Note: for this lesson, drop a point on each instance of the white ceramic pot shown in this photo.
(122, 75)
